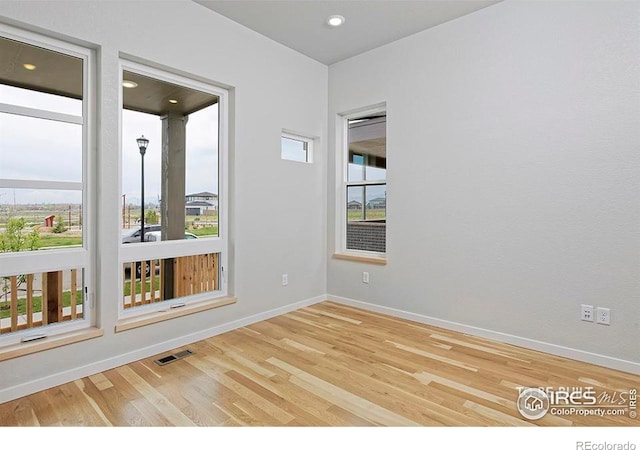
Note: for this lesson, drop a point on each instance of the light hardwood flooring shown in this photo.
(324, 365)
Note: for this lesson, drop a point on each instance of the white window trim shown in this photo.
(342, 168)
(302, 138)
(40, 114)
(171, 249)
(70, 258)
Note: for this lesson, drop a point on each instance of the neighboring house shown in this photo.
(199, 208)
(201, 204)
(354, 205)
(377, 203)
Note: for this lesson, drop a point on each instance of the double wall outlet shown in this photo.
(599, 315)
(285, 279)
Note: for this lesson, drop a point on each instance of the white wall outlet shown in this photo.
(586, 313)
(603, 316)
(365, 277)
(285, 279)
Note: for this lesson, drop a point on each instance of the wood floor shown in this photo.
(325, 365)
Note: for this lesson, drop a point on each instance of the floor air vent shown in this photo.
(171, 358)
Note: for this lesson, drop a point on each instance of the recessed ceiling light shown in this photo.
(335, 21)
(129, 84)
(29, 66)
(173, 101)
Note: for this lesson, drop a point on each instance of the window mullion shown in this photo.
(40, 114)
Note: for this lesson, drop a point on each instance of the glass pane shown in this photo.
(294, 150)
(356, 167)
(355, 202)
(366, 168)
(37, 299)
(201, 202)
(367, 149)
(40, 100)
(135, 124)
(366, 218)
(195, 215)
(376, 169)
(35, 77)
(38, 149)
(39, 219)
(376, 202)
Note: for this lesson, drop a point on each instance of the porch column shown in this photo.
(172, 207)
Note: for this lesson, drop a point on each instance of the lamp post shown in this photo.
(143, 143)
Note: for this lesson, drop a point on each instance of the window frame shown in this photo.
(139, 251)
(292, 135)
(343, 183)
(61, 259)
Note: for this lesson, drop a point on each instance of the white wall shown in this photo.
(273, 88)
(513, 172)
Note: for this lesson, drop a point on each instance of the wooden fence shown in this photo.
(160, 280)
(35, 300)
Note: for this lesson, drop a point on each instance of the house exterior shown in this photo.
(201, 204)
(377, 203)
(353, 204)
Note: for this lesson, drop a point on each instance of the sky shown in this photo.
(202, 154)
(46, 150)
(38, 149)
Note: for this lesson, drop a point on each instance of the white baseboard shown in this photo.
(532, 344)
(30, 387)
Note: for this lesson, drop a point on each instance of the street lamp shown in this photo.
(143, 143)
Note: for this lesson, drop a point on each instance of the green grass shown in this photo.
(59, 241)
(372, 214)
(127, 286)
(37, 303)
(205, 231)
(66, 298)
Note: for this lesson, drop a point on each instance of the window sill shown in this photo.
(27, 348)
(160, 316)
(364, 259)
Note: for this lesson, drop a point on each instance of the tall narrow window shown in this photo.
(364, 189)
(45, 220)
(173, 155)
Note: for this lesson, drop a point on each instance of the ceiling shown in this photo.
(157, 97)
(301, 24)
(53, 73)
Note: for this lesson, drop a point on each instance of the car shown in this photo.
(156, 236)
(133, 234)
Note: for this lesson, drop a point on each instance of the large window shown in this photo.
(45, 208)
(363, 190)
(173, 191)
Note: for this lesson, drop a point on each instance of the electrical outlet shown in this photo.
(603, 316)
(285, 279)
(586, 313)
(365, 277)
